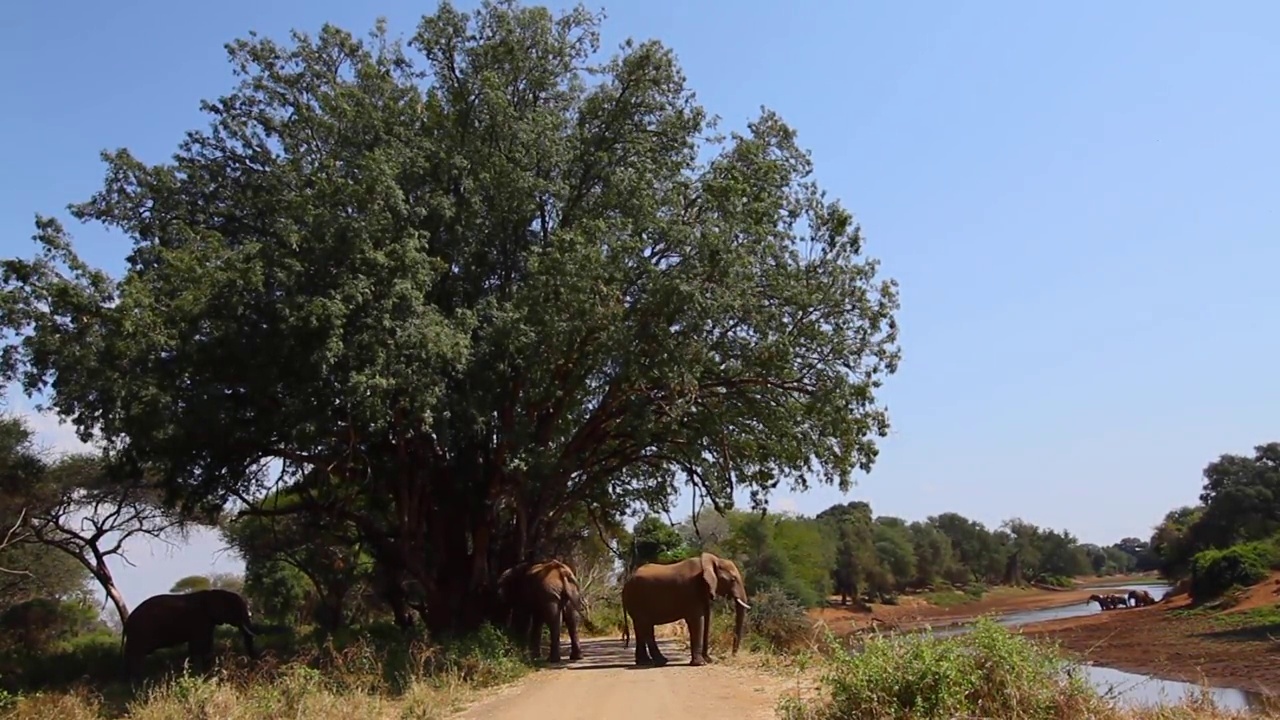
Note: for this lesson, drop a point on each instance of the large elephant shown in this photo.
(166, 620)
(660, 594)
(1141, 598)
(539, 593)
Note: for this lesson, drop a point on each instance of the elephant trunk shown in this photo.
(740, 614)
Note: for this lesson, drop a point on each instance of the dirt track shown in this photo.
(605, 684)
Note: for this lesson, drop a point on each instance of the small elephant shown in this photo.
(657, 594)
(1141, 598)
(543, 592)
(166, 620)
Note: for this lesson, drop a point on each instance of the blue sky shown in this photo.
(1078, 199)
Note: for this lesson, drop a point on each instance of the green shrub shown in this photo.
(1214, 572)
(989, 672)
(776, 623)
(38, 624)
(1060, 581)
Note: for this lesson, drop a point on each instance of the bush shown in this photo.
(989, 672)
(776, 623)
(1059, 581)
(35, 626)
(1214, 572)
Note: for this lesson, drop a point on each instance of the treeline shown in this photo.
(1231, 538)
(847, 551)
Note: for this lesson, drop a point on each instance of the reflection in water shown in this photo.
(1126, 687)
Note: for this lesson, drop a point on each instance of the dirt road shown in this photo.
(605, 685)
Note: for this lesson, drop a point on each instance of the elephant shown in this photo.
(658, 594)
(166, 620)
(1105, 602)
(543, 592)
(1141, 598)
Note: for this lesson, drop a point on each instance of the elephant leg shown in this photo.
(553, 625)
(571, 621)
(535, 638)
(642, 646)
(706, 635)
(695, 623)
(200, 651)
(651, 638)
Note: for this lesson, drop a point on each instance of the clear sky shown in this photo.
(1079, 200)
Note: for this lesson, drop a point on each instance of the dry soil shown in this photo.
(605, 684)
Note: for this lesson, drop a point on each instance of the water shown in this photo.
(1133, 689)
(1128, 688)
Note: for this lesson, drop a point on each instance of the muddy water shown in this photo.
(1127, 687)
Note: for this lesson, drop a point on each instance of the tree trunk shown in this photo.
(98, 568)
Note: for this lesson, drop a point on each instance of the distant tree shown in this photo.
(1241, 498)
(28, 570)
(895, 551)
(1174, 541)
(706, 531)
(655, 541)
(89, 516)
(935, 558)
(191, 583)
(220, 581)
(978, 550)
(854, 555)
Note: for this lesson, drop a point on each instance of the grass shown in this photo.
(371, 676)
(988, 673)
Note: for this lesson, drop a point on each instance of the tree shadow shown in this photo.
(1268, 631)
(609, 654)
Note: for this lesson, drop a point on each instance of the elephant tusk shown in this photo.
(744, 605)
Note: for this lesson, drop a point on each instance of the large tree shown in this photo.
(475, 291)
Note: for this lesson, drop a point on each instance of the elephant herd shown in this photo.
(1135, 598)
(535, 593)
(655, 594)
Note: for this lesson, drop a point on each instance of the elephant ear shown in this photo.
(709, 573)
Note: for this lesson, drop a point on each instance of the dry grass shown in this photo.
(362, 679)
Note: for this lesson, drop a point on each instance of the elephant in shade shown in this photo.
(163, 621)
(659, 594)
(543, 592)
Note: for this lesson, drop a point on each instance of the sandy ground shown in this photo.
(605, 684)
(1166, 641)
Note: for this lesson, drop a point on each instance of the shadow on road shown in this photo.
(608, 654)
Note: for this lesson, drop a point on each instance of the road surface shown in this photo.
(605, 685)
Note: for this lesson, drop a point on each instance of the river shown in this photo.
(1129, 688)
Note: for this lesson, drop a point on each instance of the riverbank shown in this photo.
(945, 608)
(1223, 646)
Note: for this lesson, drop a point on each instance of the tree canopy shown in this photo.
(459, 289)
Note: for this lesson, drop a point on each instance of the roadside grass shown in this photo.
(990, 672)
(368, 676)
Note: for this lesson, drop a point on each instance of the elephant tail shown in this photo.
(626, 630)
